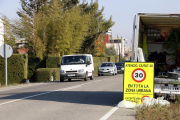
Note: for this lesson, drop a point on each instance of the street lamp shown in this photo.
(119, 48)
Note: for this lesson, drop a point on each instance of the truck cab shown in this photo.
(79, 66)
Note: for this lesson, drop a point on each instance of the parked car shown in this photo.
(120, 67)
(107, 68)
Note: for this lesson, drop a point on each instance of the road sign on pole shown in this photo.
(138, 81)
(6, 51)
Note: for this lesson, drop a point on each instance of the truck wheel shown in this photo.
(86, 77)
(69, 80)
(92, 77)
(61, 80)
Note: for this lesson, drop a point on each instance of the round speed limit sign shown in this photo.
(138, 75)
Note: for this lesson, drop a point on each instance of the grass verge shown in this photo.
(158, 112)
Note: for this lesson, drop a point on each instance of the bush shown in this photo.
(44, 74)
(103, 54)
(33, 64)
(17, 68)
(110, 51)
(51, 62)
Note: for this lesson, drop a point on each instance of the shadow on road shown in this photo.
(104, 98)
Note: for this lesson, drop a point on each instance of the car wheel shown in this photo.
(61, 80)
(86, 77)
(69, 80)
(102, 74)
(92, 76)
(99, 75)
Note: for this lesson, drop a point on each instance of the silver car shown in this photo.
(107, 68)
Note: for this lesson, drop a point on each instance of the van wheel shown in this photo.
(69, 80)
(86, 77)
(92, 77)
(61, 80)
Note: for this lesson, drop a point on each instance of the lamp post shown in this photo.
(119, 48)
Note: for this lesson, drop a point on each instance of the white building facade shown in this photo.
(1, 33)
(118, 44)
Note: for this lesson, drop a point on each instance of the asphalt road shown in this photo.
(76, 100)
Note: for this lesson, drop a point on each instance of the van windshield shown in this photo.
(69, 60)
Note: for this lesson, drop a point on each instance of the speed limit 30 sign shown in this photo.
(138, 75)
(138, 81)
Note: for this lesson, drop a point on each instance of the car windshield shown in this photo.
(69, 60)
(107, 65)
(119, 64)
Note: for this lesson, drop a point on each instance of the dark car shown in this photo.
(120, 67)
(127, 61)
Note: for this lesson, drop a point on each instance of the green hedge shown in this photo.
(44, 74)
(51, 62)
(33, 64)
(17, 68)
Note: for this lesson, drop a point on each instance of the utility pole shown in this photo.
(122, 47)
(119, 48)
(112, 39)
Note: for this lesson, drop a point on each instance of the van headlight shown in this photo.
(81, 70)
(62, 71)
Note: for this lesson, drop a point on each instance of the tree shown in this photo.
(8, 32)
(110, 51)
(97, 26)
(32, 26)
(67, 29)
(100, 46)
(59, 27)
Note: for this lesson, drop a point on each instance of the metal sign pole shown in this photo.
(5, 63)
(6, 51)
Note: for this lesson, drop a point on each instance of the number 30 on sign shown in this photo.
(138, 75)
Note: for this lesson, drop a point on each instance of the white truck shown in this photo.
(79, 66)
(156, 38)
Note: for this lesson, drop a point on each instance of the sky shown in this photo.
(122, 12)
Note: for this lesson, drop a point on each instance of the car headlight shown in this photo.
(81, 70)
(62, 71)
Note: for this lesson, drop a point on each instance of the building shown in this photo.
(118, 44)
(20, 43)
(1, 33)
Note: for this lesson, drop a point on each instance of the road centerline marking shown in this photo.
(62, 89)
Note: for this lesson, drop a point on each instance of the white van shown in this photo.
(79, 66)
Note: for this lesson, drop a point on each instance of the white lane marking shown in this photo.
(3, 89)
(63, 89)
(40, 94)
(107, 115)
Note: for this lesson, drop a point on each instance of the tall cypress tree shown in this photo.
(97, 26)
